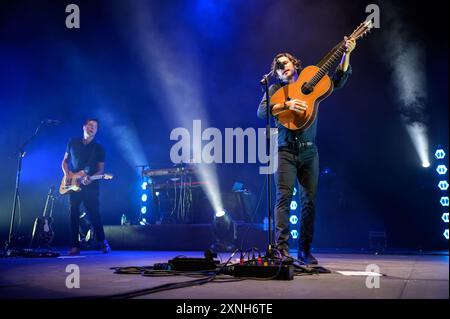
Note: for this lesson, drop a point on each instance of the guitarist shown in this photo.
(83, 158)
(297, 155)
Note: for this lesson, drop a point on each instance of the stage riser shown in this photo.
(184, 237)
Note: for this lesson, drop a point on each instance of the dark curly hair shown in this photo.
(296, 62)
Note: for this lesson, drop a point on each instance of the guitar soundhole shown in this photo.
(307, 88)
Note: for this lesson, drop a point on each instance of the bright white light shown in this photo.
(294, 234)
(144, 185)
(445, 217)
(144, 197)
(446, 233)
(220, 213)
(294, 205)
(443, 185)
(295, 191)
(444, 201)
(293, 219)
(441, 169)
(418, 134)
(157, 193)
(144, 210)
(440, 154)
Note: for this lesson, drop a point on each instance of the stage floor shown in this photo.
(406, 277)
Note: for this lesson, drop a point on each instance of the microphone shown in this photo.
(51, 122)
(280, 66)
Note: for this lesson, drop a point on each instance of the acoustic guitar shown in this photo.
(43, 233)
(312, 86)
(75, 183)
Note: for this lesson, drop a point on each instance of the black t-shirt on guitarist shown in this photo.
(85, 157)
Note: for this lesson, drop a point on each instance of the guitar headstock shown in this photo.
(362, 29)
(108, 176)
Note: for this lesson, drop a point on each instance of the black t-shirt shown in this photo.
(84, 157)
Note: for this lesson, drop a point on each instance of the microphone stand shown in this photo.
(9, 251)
(271, 246)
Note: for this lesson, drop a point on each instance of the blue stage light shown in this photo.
(441, 169)
(294, 205)
(143, 210)
(446, 234)
(144, 186)
(440, 154)
(294, 234)
(295, 191)
(144, 197)
(293, 219)
(444, 201)
(443, 185)
(445, 217)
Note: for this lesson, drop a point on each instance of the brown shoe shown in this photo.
(74, 251)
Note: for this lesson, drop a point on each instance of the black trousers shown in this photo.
(89, 196)
(302, 164)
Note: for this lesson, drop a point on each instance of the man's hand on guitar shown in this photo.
(86, 180)
(296, 105)
(350, 44)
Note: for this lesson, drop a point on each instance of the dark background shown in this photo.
(119, 66)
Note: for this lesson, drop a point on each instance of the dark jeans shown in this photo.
(301, 164)
(89, 196)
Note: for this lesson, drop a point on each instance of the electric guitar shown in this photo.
(74, 183)
(43, 233)
(312, 86)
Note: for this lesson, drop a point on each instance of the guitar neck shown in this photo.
(325, 67)
(95, 177)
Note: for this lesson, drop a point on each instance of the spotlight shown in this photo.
(224, 229)
(446, 233)
(440, 154)
(445, 217)
(144, 197)
(293, 219)
(144, 210)
(444, 200)
(220, 213)
(443, 185)
(294, 234)
(426, 164)
(441, 169)
(294, 205)
(144, 186)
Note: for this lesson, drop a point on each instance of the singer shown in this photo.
(85, 158)
(297, 155)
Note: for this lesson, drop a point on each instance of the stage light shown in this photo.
(144, 186)
(440, 154)
(143, 210)
(441, 169)
(144, 197)
(445, 217)
(425, 165)
(293, 219)
(224, 229)
(446, 234)
(443, 185)
(444, 201)
(220, 213)
(295, 191)
(294, 205)
(294, 234)
(157, 193)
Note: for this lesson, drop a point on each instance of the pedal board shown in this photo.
(193, 264)
(276, 272)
